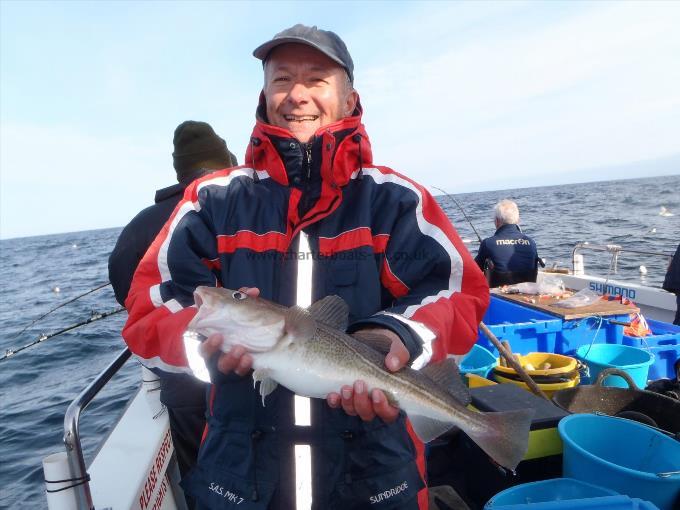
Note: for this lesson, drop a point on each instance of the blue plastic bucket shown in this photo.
(621, 455)
(629, 359)
(478, 361)
(601, 503)
(562, 489)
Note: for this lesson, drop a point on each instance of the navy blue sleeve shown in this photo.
(411, 341)
(672, 281)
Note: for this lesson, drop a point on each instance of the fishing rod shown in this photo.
(96, 316)
(62, 304)
(479, 238)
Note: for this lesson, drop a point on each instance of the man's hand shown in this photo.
(237, 360)
(356, 401)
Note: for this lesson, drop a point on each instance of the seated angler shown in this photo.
(509, 256)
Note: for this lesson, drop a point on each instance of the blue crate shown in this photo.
(531, 330)
(590, 330)
(664, 343)
(526, 329)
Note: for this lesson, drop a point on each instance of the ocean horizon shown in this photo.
(436, 194)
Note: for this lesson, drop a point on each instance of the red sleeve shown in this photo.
(439, 290)
(160, 303)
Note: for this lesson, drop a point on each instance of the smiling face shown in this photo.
(305, 90)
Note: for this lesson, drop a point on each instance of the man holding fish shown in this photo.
(310, 216)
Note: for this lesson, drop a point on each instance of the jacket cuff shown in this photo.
(411, 340)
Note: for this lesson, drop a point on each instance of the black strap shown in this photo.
(79, 481)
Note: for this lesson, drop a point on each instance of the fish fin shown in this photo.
(259, 374)
(428, 429)
(267, 385)
(375, 341)
(332, 311)
(446, 375)
(505, 438)
(300, 323)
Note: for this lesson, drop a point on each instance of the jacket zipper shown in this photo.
(308, 159)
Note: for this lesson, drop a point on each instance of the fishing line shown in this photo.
(96, 316)
(461, 210)
(59, 306)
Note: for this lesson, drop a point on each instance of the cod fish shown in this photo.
(307, 351)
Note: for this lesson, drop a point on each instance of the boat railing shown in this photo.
(74, 450)
(577, 263)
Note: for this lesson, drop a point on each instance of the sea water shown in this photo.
(39, 273)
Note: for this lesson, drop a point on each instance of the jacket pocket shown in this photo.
(395, 489)
(341, 280)
(342, 273)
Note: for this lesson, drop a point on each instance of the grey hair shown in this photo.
(506, 212)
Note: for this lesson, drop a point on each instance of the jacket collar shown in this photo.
(345, 148)
(508, 228)
(170, 191)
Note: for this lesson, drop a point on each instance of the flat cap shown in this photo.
(327, 42)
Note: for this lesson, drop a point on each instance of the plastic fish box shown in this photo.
(600, 330)
(664, 343)
(526, 329)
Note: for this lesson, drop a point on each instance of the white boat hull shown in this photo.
(654, 303)
(130, 468)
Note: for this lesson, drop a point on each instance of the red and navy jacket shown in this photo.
(378, 239)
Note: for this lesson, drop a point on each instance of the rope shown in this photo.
(80, 481)
(583, 368)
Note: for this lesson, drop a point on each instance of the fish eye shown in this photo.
(239, 295)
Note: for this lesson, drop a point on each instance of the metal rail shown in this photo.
(74, 449)
(615, 250)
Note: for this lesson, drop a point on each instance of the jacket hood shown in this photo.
(346, 147)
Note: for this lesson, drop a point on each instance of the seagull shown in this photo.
(665, 212)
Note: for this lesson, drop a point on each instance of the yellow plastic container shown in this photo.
(477, 381)
(559, 365)
(548, 389)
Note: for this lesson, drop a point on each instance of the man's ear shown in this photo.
(351, 102)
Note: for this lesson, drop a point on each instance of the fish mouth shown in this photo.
(300, 118)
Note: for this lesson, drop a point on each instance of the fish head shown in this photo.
(254, 323)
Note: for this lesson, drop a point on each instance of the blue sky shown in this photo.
(466, 96)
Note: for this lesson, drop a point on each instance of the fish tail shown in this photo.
(504, 436)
